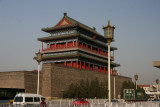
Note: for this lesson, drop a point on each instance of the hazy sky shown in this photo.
(137, 35)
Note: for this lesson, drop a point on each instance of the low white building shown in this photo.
(151, 90)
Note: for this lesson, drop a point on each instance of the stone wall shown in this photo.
(54, 79)
(30, 80)
(14, 79)
(46, 81)
(21, 80)
(57, 78)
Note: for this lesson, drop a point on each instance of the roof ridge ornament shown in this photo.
(65, 14)
(94, 28)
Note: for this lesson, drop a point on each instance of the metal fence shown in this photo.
(101, 103)
(94, 103)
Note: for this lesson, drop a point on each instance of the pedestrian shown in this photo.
(43, 103)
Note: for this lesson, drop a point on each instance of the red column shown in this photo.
(65, 63)
(89, 66)
(66, 44)
(84, 65)
(55, 45)
(71, 63)
(76, 64)
(100, 69)
(76, 43)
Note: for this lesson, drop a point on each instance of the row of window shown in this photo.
(61, 41)
(59, 53)
(27, 99)
(72, 31)
(63, 32)
(84, 43)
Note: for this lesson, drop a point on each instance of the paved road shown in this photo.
(4, 101)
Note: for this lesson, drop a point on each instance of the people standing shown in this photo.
(43, 103)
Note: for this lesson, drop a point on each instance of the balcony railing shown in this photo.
(100, 52)
(59, 47)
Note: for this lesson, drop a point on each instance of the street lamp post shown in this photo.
(157, 81)
(109, 35)
(136, 78)
(38, 59)
(114, 74)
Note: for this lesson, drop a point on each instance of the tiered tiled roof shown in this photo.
(71, 23)
(67, 24)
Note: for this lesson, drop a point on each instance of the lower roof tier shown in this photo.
(80, 60)
(76, 56)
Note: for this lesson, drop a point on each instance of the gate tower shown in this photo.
(74, 44)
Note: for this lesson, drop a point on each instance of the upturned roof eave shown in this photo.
(68, 26)
(58, 36)
(74, 23)
(112, 48)
(48, 29)
(83, 26)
